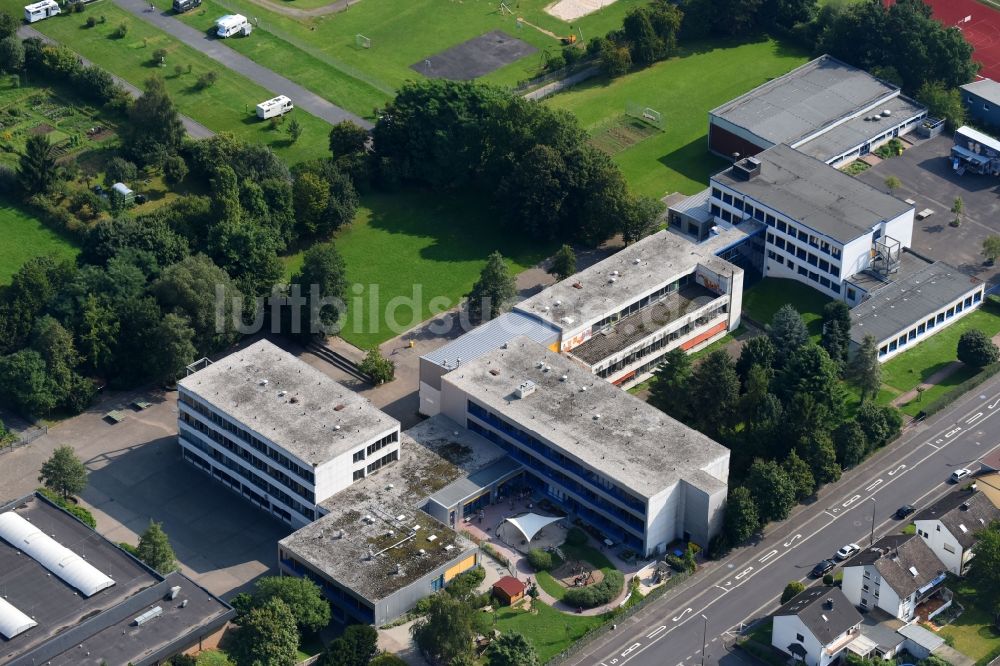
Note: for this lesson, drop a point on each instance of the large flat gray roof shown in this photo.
(987, 89)
(805, 100)
(637, 270)
(589, 419)
(909, 300)
(855, 132)
(820, 197)
(316, 419)
(491, 335)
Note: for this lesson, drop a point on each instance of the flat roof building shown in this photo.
(982, 101)
(826, 108)
(601, 454)
(279, 432)
(72, 626)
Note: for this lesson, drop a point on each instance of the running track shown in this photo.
(983, 31)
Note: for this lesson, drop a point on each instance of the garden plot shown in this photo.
(26, 112)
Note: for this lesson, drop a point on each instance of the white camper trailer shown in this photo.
(40, 10)
(232, 24)
(278, 106)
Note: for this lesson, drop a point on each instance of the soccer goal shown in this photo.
(362, 42)
(645, 114)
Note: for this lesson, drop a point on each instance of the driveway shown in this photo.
(225, 56)
(926, 176)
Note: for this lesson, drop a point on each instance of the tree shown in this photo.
(810, 371)
(639, 219)
(615, 60)
(357, 646)
(984, 569)
(97, 333)
(757, 351)
(849, 441)
(801, 476)
(311, 196)
(787, 332)
(512, 649)
(668, 391)
(819, 452)
(175, 170)
(991, 248)
(37, 165)
(836, 338)
(173, 340)
(11, 54)
(880, 424)
(646, 46)
(446, 631)
(715, 389)
(493, 291)
(388, 659)
(154, 549)
(267, 637)
(892, 183)
(772, 490)
(378, 367)
(25, 384)
(64, 473)
(943, 102)
(152, 235)
(976, 349)
(191, 288)
(347, 139)
(303, 597)
(322, 281)
(791, 590)
(564, 262)
(8, 25)
(154, 129)
(294, 130)
(742, 518)
(864, 370)
(120, 170)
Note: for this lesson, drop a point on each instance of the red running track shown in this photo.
(983, 31)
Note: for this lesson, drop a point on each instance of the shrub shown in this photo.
(676, 563)
(466, 582)
(206, 80)
(576, 537)
(422, 606)
(121, 30)
(91, 22)
(78, 512)
(492, 552)
(78, 7)
(159, 55)
(599, 594)
(828, 580)
(539, 559)
(975, 349)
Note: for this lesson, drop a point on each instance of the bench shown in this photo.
(141, 404)
(925, 213)
(115, 415)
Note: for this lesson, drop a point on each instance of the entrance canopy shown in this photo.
(531, 524)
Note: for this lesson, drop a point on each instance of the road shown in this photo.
(213, 48)
(194, 128)
(746, 585)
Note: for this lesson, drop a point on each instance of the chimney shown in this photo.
(746, 169)
(828, 604)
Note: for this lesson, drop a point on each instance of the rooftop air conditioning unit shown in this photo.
(526, 388)
(151, 614)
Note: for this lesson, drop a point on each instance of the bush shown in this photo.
(422, 606)
(466, 582)
(576, 537)
(206, 80)
(121, 30)
(78, 512)
(975, 349)
(596, 595)
(828, 580)
(492, 552)
(91, 22)
(539, 559)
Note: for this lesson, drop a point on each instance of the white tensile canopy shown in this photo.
(531, 524)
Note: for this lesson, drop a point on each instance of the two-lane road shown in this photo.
(745, 586)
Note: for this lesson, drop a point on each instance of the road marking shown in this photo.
(722, 588)
(683, 613)
(662, 627)
(874, 485)
(953, 432)
(832, 515)
(978, 415)
(768, 556)
(631, 648)
(851, 501)
(795, 538)
(743, 573)
(898, 469)
(993, 405)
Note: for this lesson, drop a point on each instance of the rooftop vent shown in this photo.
(612, 280)
(913, 571)
(564, 378)
(747, 169)
(174, 591)
(965, 506)
(282, 393)
(557, 303)
(828, 604)
(636, 261)
(368, 520)
(963, 528)
(567, 320)
(422, 551)
(526, 388)
(151, 614)
(597, 417)
(449, 547)
(886, 113)
(263, 382)
(577, 285)
(432, 538)
(401, 517)
(339, 407)
(399, 569)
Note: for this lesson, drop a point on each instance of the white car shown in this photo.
(847, 551)
(960, 474)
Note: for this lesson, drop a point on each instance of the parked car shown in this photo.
(904, 511)
(141, 198)
(823, 568)
(847, 551)
(960, 474)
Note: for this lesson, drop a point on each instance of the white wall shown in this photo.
(784, 632)
(851, 585)
(337, 474)
(430, 400)
(901, 228)
(938, 326)
(856, 258)
(937, 540)
(663, 517)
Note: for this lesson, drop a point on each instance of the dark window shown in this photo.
(803, 271)
(359, 455)
(781, 225)
(717, 193)
(359, 474)
(727, 198)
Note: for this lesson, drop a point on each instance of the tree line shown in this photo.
(781, 408)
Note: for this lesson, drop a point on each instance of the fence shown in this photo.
(958, 391)
(26, 437)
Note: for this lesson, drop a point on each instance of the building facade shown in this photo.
(982, 102)
(816, 626)
(895, 574)
(949, 526)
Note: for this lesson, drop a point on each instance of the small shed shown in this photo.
(508, 590)
(122, 192)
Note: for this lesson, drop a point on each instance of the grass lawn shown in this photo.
(26, 237)
(972, 633)
(226, 106)
(420, 247)
(587, 553)
(550, 584)
(762, 300)
(684, 90)
(549, 630)
(916, 365)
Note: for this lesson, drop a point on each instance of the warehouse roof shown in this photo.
(907, 301)
(289, 402)
(987, 89)
(491, 335)
(805, 100)
(589, 419)
(856, 132)
(809, 191)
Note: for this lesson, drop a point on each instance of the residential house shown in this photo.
(949, 526)
(816, 626)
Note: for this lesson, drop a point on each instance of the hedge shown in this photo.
(599, 594)
(959, 390)
(539, 559)
(78, 512)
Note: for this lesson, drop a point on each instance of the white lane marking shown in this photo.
(631, 648)
(789, 543)
(978, 415)
(682, 614)
(723, 588)
(953, 432)
(662, 627)
(768, 556)
(993, 405)
(743, 573)
(898, 469)
(851, 501)
(874, 485)
(832, 515)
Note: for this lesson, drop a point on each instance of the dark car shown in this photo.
(904, 511)
(824, 567)
(181, 6)
(140, 198)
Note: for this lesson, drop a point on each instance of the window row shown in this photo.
(926, 326)
(643, 302)
(392, 456)
(804, 255)
(805, 272)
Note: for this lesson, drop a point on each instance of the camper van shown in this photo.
(232, 24)
(181, 6)
(40, 10)
(278, 106)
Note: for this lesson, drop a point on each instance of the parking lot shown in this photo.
(136, 474)
(927, 178)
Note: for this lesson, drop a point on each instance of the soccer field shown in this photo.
(683, 90)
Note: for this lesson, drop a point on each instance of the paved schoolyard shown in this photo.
(136, 474)
(927, 178)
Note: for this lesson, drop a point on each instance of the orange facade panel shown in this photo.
(710, 333)
(464, 565)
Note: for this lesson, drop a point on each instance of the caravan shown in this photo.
(278, 106)
(232, 24)
(40, 10)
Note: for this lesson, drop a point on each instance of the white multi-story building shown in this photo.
(279, 432)
(816, 626)
(949, 526)
(624, 467)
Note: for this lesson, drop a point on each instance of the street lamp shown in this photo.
(871, 541)
(704, 640)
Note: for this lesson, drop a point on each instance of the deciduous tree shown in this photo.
(668, 391)
(322, 281)
(801, 476)
(378, 367)
(742, 517)
(267, 636)
(772, 490)
(984, 569)
(64, 473)
(976, 350)
(154, 129)
(850, 443)
(991, 247)
(512, 649)
(791, 590)
(446, 631)
(303, 597)
(564, 262)
(715, 390)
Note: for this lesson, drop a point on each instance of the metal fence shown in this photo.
(26, 437)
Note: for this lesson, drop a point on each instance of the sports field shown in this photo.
(683, 90)
(417, 246)
(225, 106)
(982, 30)
(26, 237)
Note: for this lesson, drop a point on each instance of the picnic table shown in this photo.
(115, 415)
(141, 404)
(910, 201)
(926, 212)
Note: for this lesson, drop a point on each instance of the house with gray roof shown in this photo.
(816, 626)
(949, 526)
(982, 101)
